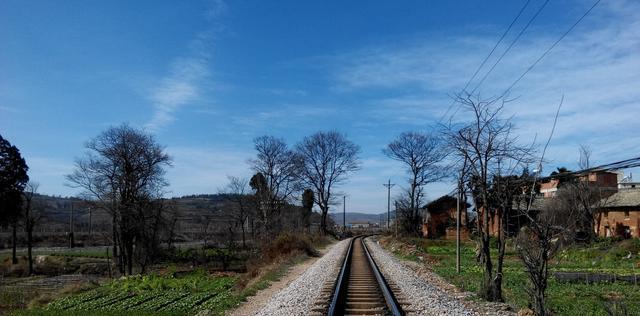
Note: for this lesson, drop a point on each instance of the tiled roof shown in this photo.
(536, 205)
(624, 198)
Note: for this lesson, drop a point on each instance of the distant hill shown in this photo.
(191, 208)
(354, 217)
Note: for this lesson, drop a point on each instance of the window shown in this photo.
(626, 214)
(606, 214)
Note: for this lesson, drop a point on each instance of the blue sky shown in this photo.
(206, 77)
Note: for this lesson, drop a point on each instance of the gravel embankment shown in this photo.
(299, 297)
(425, 298)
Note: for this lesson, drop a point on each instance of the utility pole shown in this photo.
(344, 213)
(458, 231)
(389, 185)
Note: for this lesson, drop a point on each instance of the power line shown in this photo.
(548, 49)
(510, 46)
(551, 47)
(622, 164)
(504, 34)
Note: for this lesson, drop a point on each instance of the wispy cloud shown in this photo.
(178, 89)
(183, 83)
(596, 67)
(281, 116)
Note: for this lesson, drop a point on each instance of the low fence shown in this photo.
(586, 277)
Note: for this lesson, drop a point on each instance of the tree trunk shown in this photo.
(116, 254)
(497, 286)
(253, 229)
(129, 251)
(540, 277)
(29, 246)
(244, 244)
(487, 282)
(323, 221)
(14, 258)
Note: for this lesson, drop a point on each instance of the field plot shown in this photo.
(152, 295)
(564, 298)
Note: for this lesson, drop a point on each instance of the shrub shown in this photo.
(285, 244)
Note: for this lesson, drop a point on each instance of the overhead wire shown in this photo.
(484, 61)
(550, 48)
(515, 40)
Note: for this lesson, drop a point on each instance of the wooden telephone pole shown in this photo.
(389, 185)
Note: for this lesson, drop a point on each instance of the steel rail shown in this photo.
(392, 302)
(340, 292)
(339, 298)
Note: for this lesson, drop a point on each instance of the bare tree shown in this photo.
(122, 172)
(487, 145)
(237, 193)
(422, 155)
(205, 221)
(585, 156)
(32, 215)
(327, 158)
(172, 216)
(154, 219)
(583, 195)
(278, 166)
(539, 241)
(585, 199)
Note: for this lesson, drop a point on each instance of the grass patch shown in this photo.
(563, 298)
(80, 253)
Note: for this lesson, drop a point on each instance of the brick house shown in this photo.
(439, 218)
(607, 182)
(620, 215)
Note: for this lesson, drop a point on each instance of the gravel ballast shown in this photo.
(299, 297)
(425, 298)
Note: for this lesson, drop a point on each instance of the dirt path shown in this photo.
(256, 302)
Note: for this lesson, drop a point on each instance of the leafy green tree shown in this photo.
(13, 179)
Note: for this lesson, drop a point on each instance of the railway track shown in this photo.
(360, 288)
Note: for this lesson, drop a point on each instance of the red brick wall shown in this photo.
(608, 223)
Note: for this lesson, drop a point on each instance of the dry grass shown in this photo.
(74, 288)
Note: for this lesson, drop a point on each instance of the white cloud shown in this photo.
(597, 68)
(183, 83)
(178, 89)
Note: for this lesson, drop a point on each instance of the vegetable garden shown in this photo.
(153, 294)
